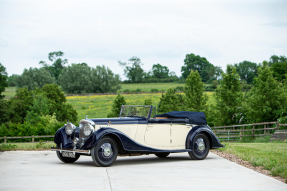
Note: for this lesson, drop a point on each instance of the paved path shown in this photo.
(41, 170)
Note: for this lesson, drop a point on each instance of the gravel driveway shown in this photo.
(41, 170)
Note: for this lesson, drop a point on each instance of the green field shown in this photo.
(9, 92)
(272, 156)
(147, 87)
(99, 106)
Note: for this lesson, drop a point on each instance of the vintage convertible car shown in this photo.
(137, 131)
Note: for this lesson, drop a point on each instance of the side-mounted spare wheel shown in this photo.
(200, 147)
(67, 159)
(105, 152)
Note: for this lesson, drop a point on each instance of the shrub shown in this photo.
(154, 90)
(118, 102)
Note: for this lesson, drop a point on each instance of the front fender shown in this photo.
(214, 143)
(62, 138)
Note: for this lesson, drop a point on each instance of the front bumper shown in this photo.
(70, 150)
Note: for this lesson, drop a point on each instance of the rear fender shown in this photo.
(214, 142)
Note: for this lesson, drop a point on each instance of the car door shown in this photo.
(179, 132)
(158, 133)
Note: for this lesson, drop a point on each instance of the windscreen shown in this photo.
(135, 111)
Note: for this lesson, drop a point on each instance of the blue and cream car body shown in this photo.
(137, 131)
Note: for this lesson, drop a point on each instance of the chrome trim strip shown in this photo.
(70, 150)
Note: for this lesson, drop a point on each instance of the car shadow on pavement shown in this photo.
(122, 161)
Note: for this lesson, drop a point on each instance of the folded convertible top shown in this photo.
(194, 117)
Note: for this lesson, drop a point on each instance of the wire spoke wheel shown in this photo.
(105, 152)
(200, 147)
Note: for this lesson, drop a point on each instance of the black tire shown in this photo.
(67, 159)
(105, 152)
(200, 147)
(162, 155)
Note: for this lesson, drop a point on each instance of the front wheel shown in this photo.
(67, 159)
(105, 152)
(200, 147)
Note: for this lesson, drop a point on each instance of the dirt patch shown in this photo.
(234, 158)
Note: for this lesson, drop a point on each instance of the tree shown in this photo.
(133, 69)
(3, 80)
(104, 80)
(5, 111)
(171, 101)
(279, 71)
(33, 78)
(267, 99)
(201, 64)
(228, 96)
(275, 59)
(12, 80)
(247, 71)
(89, 80)
(193, 89)
(118, 102)
(159, 71)
(56, 68)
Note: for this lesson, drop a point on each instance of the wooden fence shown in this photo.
(27, 137)
(237, 132)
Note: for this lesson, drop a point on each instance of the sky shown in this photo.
(103, 32)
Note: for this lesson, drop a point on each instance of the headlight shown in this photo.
(70, 128)
(88, 129)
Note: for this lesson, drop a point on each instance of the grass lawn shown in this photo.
(272, 156)
(9, 92)
(26, 146)
(98, 106)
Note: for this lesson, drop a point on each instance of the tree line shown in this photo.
(81, 78)
(266, 101)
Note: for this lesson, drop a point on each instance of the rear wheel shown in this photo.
(105, 152)
(200, 147)
(162, 155)
(67, 159)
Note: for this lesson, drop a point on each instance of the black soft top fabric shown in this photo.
(194, 117)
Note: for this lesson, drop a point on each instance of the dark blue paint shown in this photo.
(175, 121)
(62, 137)
(120, 120)
(215, 143)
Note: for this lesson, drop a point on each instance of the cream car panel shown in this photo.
(179, 134)
(140, 138)
(158, 135)
(128, 129)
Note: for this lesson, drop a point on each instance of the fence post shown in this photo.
(277, 125)
(228, 135)
(264, 129)
(253, 131)
(32, 138)
(240, 135)
(5, 140)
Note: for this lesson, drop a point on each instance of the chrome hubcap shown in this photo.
(107, 150)
(200, 145)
